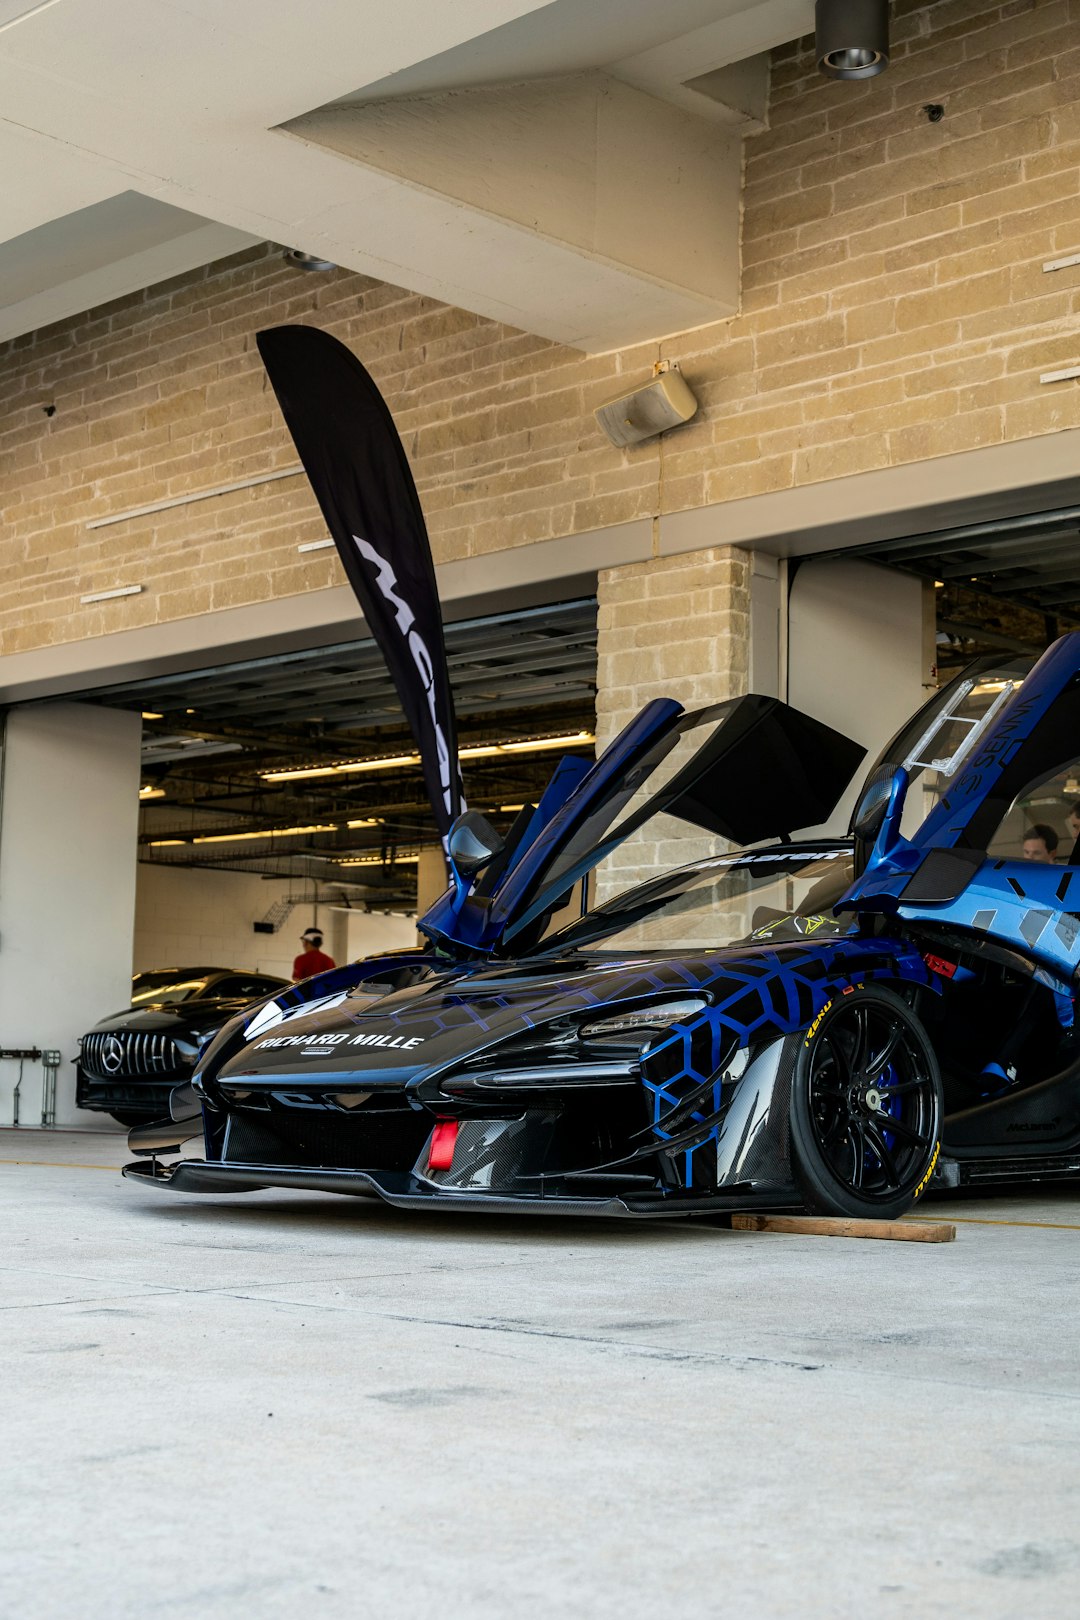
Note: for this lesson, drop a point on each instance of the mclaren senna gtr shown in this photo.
(832, 1025)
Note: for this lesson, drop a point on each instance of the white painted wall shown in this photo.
(857, 652)
(68, 829)
(189, 917)
(381, 931)
(767, 584)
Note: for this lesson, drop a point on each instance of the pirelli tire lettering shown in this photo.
(812, 1031)
(925, 1182)
(848, 989)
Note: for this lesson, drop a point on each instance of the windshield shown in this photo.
(942, 726)
(758, 897)
(165, 987)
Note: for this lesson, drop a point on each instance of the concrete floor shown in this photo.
(289, 1405)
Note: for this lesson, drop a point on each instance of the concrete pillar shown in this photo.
(431, 877)
(672, 627)
(68, 849)
(860, 649)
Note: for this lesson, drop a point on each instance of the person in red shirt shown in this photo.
(312, 959)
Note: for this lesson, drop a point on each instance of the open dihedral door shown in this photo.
(761, 770)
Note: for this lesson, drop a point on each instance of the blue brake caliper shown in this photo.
(891, 1103)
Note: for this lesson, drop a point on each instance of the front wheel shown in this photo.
(866, 1107)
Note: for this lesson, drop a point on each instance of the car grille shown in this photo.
(117, 1053)
(389, 1139)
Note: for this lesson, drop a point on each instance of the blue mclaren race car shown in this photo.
(832, 1025)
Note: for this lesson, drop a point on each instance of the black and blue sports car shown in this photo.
(831, 1025)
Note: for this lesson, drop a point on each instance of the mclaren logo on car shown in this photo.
(387, 582)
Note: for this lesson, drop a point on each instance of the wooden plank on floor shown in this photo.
(842, 1226)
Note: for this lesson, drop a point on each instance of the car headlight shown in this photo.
(636, 1024)
(193, 1042)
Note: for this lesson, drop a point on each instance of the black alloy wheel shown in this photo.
(866, 1107)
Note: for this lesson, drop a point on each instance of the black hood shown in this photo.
(175, 1018)
(417, 1032)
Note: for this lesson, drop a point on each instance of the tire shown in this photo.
(866, 1107)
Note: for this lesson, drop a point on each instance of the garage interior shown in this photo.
(298, 770)
(293, 777)
(319, 738)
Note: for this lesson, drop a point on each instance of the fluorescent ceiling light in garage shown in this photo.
(269, 832)
(377, 860)
(576, 739)
(265, 832)
(386, 764)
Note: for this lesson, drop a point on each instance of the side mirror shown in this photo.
(869, 813)
(875, 823)
(472, 843)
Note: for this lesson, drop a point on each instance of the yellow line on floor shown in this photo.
(986, 1220)
(63, 1164)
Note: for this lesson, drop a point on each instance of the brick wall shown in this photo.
(894, 309)
(676, 624)
(674, 627)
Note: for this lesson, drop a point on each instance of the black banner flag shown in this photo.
(355, 461)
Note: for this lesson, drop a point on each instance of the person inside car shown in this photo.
(1041, 843)
(312, 959)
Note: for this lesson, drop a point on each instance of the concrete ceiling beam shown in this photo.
(629, 194)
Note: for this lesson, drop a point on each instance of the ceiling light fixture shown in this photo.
(536, 744)
(270, 832)
(151, 792)
(166, 843)
(576, 739)
(307, 261)
(852, 37)
(377, 860)
(151, 714)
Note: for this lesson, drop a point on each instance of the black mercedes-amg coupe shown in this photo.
(130, 1062)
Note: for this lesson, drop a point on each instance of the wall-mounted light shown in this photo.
(852, 37)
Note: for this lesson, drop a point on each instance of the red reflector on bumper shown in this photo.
(443, 1140)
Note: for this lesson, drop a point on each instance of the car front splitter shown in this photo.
(404, 1192)
(409, 1192)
